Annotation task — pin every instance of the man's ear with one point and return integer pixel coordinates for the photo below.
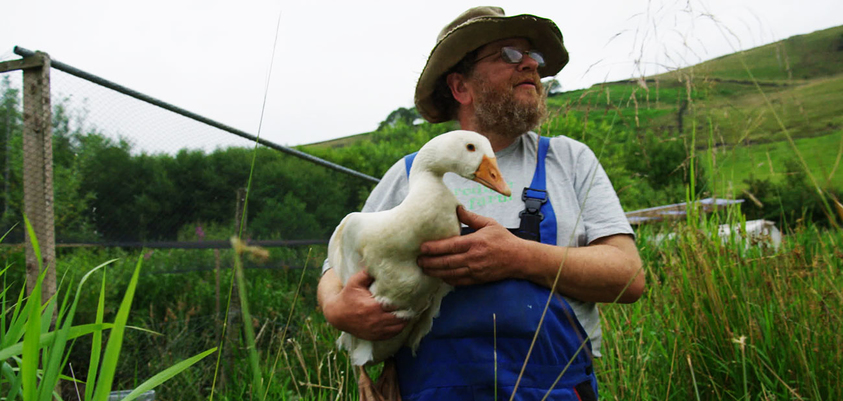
(459, 90)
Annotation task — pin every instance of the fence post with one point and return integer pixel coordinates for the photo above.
(38, 173)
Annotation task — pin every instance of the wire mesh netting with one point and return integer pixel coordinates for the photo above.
(128, 171)
(119, 174)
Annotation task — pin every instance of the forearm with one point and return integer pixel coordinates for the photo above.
(607, 270)
(328, 289)
(351, 308)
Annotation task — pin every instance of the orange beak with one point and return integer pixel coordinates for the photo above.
(490, 176)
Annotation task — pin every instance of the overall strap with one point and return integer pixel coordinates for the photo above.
(538, 217)
(455, 360)
(408, 162)
(538, 221)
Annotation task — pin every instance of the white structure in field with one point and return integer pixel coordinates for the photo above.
(757, 232)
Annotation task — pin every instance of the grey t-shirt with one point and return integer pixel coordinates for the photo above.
(579, 190)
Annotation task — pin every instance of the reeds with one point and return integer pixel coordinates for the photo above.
(751, 321)
(32, 368)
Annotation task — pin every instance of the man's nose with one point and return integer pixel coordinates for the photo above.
(528, 63)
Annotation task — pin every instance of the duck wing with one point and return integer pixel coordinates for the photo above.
(343, 248)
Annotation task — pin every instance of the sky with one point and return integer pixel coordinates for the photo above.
(339, 68)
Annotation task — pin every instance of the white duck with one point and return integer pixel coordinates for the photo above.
(387, 243)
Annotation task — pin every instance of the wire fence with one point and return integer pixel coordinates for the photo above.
(100, 166)
(132, 171)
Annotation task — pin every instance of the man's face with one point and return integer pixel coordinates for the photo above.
(508, 98)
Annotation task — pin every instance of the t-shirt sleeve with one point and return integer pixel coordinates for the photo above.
(390, 191)
(602, 214)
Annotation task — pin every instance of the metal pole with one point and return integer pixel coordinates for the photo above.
(164, 105)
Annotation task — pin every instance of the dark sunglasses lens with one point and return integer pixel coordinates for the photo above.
(537, 56)
(511, 55)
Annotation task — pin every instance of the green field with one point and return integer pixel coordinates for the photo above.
(770, 160)
(719, 320)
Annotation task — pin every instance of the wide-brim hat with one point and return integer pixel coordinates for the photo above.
(474, 29)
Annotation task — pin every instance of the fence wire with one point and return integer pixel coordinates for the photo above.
(125, 170)
(126, 173)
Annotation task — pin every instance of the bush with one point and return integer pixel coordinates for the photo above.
(790, 201)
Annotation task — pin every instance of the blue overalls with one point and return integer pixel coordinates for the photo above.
(456, 360)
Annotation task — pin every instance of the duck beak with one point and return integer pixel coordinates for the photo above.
(490, 176)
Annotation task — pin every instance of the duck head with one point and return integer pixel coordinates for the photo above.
(465, 153)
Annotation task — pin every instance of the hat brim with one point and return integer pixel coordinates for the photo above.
(542, 33)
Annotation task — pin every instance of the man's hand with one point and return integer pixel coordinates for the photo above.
(352, 308)
(489, 254)
(606, 270)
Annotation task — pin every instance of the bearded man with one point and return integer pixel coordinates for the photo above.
(569, 245)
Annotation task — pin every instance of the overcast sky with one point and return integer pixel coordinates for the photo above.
(341, 67)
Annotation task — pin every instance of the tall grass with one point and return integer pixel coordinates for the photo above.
(32, 368)
(752, 321)
(720, 318)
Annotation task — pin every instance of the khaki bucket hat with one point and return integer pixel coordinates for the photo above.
(474, 29)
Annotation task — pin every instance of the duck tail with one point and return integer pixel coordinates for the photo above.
(361, 351)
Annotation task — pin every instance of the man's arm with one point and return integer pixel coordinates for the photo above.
(353, 309)
(607, 269)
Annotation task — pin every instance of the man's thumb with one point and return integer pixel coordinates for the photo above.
(360, 279)
(470, 219)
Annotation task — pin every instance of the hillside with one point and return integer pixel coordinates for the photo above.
(801, 75)
(732, 115)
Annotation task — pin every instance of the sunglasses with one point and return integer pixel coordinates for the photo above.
(513, 55)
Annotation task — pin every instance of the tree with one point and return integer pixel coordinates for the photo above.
(10, 125)
(552, 86)
(401, 114)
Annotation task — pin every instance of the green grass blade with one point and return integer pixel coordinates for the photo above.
(115, 341)
(166, 374)
(30, 346)
(59, 344)
(3, 307)
(31, 343)
(63, 309)
(257, 378)
(14, 381)
(17, 321)
(7, 232)
(47, 310)
(46, 338)
(96, 345)
(32, 238)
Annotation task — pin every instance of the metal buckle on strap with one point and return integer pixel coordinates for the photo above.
(533, 201)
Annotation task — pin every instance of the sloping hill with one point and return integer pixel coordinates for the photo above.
(729, 97)
(802, 57)
(800, 76)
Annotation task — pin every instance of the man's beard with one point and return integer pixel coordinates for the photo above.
(497, 110)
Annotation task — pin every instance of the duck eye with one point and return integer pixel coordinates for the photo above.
(470, 147)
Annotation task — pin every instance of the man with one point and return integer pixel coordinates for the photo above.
(570, 245)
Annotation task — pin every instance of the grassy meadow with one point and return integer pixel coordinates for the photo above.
(770, 161)
(721, 319)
